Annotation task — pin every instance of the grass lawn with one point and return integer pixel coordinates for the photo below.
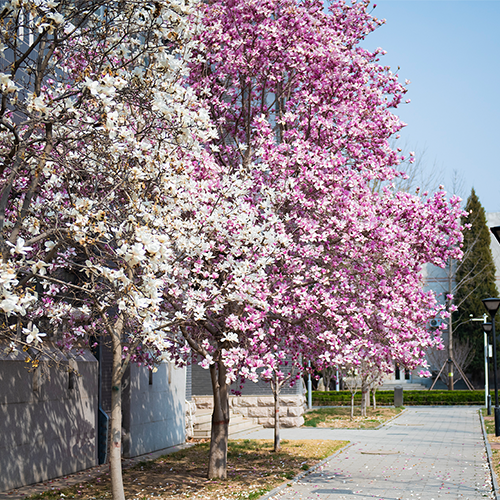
(253, 470)
(339, 417)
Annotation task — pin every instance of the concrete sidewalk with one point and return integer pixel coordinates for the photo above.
(426, 453)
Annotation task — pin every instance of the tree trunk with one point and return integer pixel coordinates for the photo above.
(217, 462)
(352, 405)
(363, 401)
(276, 393)
(115, 455)
(374, 399)
(327, 374)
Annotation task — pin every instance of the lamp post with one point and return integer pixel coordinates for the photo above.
(487, 328)
(492, 306)
(495, 230)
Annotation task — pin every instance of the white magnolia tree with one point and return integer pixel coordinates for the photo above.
(113, 218)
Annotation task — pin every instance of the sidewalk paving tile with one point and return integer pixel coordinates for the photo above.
(428, 453)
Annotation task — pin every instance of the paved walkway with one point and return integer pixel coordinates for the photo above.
(426, 453)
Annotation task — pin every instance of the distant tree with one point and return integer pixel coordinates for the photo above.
(476, 275)
(329, 373)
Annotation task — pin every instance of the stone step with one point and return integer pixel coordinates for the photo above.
(207, 423)
(246, 426)
(206, 415)
(406, 387)
(202, 418)
(237, 424)
(234, 430)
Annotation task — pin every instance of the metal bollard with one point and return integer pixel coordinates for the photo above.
(398, 395)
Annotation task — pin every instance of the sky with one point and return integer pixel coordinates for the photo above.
(450, 51)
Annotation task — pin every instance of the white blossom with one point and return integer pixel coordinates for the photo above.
(230, 337)
(19, 248)
(33, 335)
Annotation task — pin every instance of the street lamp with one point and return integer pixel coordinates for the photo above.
(496, 232)
(492, 306)
(487, 328)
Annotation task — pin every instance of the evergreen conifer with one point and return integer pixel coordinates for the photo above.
(475, 280)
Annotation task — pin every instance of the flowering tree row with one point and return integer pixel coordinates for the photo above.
(198, 179)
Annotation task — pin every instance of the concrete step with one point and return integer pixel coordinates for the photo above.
(207, 423)
(234, 430)
(389, 386)
(202, 418)
(237, 423)
(206, 416)
(243, 427)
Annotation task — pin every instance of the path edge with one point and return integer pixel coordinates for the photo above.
(494, 482)
(383, 424)
(276, 490)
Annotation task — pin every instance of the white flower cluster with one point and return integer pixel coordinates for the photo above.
(129, 201)
(10, 300)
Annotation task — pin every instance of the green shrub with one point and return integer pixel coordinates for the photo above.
(386, 398)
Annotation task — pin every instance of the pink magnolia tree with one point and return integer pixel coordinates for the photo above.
(290, 90)
(388, 316)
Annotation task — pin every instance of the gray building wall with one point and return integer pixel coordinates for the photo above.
(154, 409)
(436, 278)
(106, 374)
(202, 386)
(189, 382)
(48, 428)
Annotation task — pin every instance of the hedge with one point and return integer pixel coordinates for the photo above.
(343, 398)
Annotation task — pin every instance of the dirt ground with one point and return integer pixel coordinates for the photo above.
(339, 418)
(253, 469)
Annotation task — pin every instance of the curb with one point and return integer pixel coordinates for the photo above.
(350, 429)
(278, 489)
(388, 421)
(494, 482)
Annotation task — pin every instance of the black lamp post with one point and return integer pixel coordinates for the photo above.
(496, 232)
(487, 328)
(492, 306)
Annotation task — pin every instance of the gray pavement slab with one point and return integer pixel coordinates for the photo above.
(427, 453)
